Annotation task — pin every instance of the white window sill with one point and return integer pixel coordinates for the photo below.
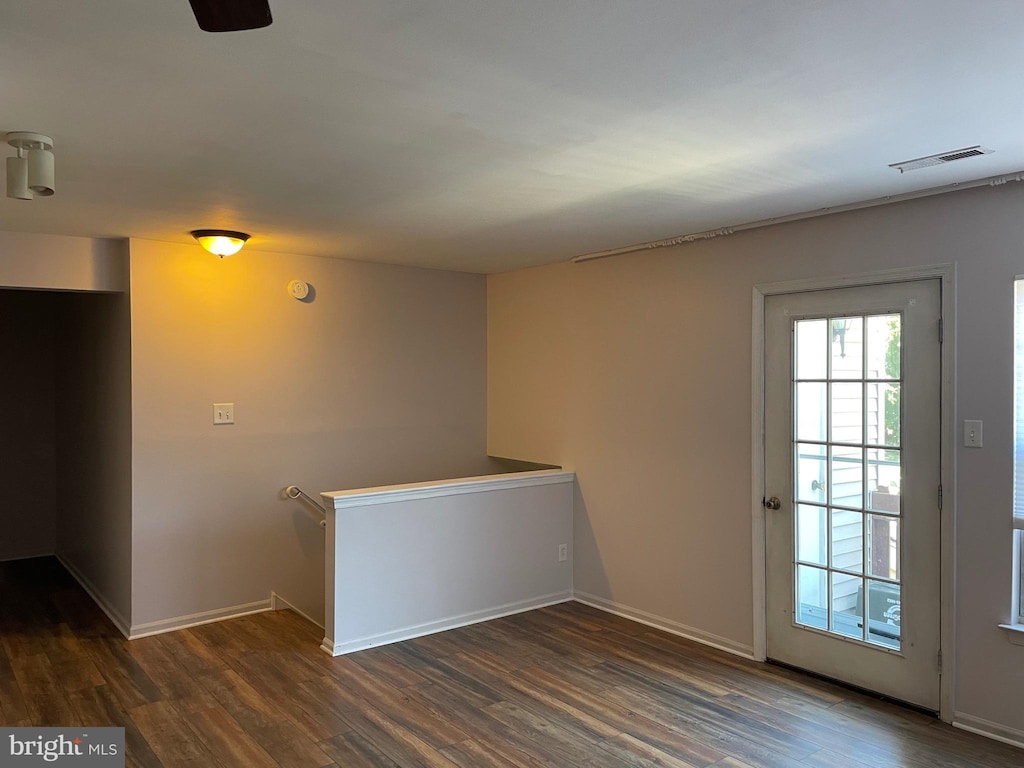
(1014, 633)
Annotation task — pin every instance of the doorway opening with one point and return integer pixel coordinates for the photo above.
(65, 456)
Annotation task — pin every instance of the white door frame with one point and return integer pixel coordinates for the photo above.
(946, 274)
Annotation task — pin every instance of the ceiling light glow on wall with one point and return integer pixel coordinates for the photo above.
(34, 174)
(220, 242)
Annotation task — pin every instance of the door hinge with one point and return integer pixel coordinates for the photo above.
(940, 330)
(940, 497)
(939, 660)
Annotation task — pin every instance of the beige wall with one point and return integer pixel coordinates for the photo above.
(93, 391)
(635, 371)
(28, 457)
(54, 262)
(379, 380)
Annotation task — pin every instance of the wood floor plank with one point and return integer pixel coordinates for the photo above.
(170, 737)
(312, 715)
(473, 754)
(483, 728)
(398, 742)
(634, 723)
(436, 731)
(670, 692)
(353, 750)
(661, 664)
(469, 690)
(46, 700)
(918, 731)
(480, 639)
(636, 754)
(389, 669)
(743, 739)
(562, 711)
(99, 707)
(77, 674)
(219, 637)
(507, 688)
(20, 640)
(991, 753)
(587, 619)
(61, 644)
(566, 686)
(226, 739)
(152, 656)
(773, 679)
(192, 654)
(132, 686)
(12, 703)
(828, 758)
(568, 748)
(439, 645)
(529, 630)
(265, 722)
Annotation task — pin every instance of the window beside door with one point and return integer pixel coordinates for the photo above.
(1018, 453)
(1019, 577)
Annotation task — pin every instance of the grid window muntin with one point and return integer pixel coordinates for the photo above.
(822, 494)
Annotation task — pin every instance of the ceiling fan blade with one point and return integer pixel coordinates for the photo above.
(231, 15)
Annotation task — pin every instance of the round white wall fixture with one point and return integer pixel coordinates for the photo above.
(298, 289)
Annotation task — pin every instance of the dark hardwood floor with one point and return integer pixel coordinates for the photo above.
(562, 686)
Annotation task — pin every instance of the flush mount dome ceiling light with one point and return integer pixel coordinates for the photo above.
(31, 174)
(220, 242)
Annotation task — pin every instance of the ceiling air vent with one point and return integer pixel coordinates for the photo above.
(942, 157)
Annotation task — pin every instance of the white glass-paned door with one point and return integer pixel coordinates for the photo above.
(851, 431)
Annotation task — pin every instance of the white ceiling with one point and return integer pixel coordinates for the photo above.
(486, 135)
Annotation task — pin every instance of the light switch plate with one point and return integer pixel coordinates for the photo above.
(972, 433)
(223, 413)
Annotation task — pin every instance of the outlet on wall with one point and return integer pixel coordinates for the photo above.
(563, 552)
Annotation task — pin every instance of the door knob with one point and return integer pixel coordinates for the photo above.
(773, 503)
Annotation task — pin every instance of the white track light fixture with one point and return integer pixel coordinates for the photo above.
(17, 177)
(31, 174)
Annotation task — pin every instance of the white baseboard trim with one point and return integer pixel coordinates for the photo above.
(441, 625)
(278, 603)
(196, 619)
(112, 613)
(667, 625)
(987, 728)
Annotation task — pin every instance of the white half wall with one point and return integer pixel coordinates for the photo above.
(404, 561)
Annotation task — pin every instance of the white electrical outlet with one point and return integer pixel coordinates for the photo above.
(563, 552)
(223, 413)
